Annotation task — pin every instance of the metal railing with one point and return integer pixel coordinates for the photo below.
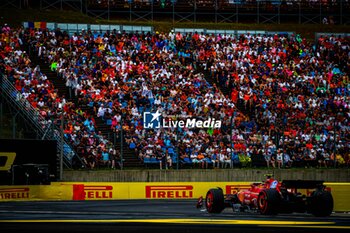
(235, 33)
(330, 34)
(72, 28)
(43, 127)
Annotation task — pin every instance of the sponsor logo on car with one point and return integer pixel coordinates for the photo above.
(90, 192)
(14, 193)
(233, 189)
(169, 191)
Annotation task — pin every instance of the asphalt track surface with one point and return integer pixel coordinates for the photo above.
(153, 216)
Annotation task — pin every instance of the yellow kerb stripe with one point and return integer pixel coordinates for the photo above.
(183, 221)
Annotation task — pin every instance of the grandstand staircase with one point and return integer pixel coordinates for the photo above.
(226, 92)
(129, 157)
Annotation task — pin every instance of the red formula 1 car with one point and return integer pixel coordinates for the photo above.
(273, 197)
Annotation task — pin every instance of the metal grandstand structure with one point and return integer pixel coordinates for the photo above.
(41, 128)
(257, 11)
(235, 11)
(76, 5)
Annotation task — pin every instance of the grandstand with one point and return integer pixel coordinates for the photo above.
(282, 101)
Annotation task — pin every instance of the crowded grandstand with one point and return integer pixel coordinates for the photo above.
(282, 100)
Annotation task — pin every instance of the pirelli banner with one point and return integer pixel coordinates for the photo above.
(113, 191)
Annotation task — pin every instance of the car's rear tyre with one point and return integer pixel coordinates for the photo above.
(321, 204)
(214, 201)
(269, 201)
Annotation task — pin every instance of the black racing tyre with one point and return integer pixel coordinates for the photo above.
(321, 204)
(269, 201)
(214, 201)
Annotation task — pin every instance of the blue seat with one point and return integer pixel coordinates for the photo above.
(132, 145)
(187, 161)
(167, 143)
(174, 159)
(154, 160)
(91, 104)
(146, 160)
(171, 150)
(141, 109)
(208, 160)
(235, 159)
(109, 122)
(151, 100)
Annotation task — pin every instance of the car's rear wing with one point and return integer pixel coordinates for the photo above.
(302, 184)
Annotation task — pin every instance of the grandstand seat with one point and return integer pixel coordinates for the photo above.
(167, 143)
(132, 145)
(235, 160)
(208, 161)
(141, 108)
(150, 162)
(174, 159)
(186, 162)
(154, 160)
(146, 160)
(151, 100)
(171, 151)
(91, 104)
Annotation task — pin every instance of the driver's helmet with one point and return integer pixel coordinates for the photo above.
(271, 183)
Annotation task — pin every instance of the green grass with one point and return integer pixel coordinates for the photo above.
(16, 16)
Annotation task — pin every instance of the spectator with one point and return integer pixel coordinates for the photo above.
(279, 159)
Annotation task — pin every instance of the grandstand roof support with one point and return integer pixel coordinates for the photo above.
(227, 17)
(268, 17)
(44, 4)
(141, 15)
(11, 3)
(145, 15)
(341, 12)
(184, 16)
(310, 18)
(343, 19)
(76, 5)
(97, 13)
(130, 9)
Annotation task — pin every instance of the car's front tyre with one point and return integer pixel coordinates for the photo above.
(214, 201)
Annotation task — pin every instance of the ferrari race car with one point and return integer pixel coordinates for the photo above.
(272, 197)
